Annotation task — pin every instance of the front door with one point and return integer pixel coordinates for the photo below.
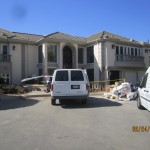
(67, 57)
(114, 76)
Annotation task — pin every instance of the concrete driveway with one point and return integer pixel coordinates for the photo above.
(34, 124)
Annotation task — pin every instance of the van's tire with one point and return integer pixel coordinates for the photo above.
(84, 101)
(53, 101)
(139, 106)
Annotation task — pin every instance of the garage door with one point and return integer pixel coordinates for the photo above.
(131, 77)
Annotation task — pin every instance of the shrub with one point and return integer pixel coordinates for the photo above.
(2, 81)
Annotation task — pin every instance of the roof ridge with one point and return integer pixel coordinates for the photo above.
(5, 30)
(27, 33)
(51, 34)
(72, 35)
(114, 34)
(95, 34)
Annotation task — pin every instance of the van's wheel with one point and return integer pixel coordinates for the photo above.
(53, 101)
(84, 101)
(139, 106)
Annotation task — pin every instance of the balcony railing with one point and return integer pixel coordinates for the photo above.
(129, 61)
(5, 58)
(126, 58)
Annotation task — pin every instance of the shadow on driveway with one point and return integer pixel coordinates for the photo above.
(92, 102)
(13, 102)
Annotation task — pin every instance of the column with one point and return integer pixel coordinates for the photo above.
(44, 48)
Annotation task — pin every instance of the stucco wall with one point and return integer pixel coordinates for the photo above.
(31, 60)
(146, 57)
(16, 63)
(110, 54)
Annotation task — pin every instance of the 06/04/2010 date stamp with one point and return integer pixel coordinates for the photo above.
(140, 128)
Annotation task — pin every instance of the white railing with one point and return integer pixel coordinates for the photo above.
(127, 58)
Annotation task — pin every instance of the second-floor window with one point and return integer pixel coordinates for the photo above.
(123, 50)
(90, 54)
(40, 54)
(80, 55)
(52, 53)
(117, 49)
(5, 49)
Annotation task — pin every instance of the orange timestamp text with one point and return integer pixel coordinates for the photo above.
(140, 128)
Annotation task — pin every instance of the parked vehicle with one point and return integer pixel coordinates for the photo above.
(69, 84)
(143, 100)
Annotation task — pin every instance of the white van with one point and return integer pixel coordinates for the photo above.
(69, 84)
(143, 100)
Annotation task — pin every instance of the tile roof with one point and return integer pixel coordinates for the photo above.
(29, 37)
(65, 37)
(59, 36)
(4, 34)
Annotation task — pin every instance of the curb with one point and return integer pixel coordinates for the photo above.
(30, 96)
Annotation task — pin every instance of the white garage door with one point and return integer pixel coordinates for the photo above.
(131, 77)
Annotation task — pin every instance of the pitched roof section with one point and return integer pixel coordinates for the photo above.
(106, 35)
(59, 36)
(4, 34)
(29, 37)
(65, 37)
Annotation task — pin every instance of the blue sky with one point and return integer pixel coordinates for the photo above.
(129, 18)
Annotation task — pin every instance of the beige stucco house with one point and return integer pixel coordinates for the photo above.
(105, 56)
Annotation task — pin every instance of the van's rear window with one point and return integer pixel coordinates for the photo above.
(76, 75)
(61, 76)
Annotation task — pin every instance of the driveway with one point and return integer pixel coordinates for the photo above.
(34, 124)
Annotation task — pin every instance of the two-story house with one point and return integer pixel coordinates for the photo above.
(104, 55)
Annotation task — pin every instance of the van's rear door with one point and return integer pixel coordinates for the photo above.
(61, 84)
(77, 83)
(148, 90)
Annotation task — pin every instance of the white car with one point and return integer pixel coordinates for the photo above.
(143, 100)
(69, 84)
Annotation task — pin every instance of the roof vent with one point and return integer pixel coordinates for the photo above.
(106, 36)
(131, 40)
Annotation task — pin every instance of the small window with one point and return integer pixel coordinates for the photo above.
(40, 54)
(117, 50)
(128, 50)
(144, 80)
(61, 76)
(77, 76)
(52, 53)
(80, 55)
(90, 54)
(136, 52)
(5, 50)
(125, 52)
(132, 51)
(121, 50)
(146, 50)
(139, 52)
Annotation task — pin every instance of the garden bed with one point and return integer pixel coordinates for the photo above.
(13, 89)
